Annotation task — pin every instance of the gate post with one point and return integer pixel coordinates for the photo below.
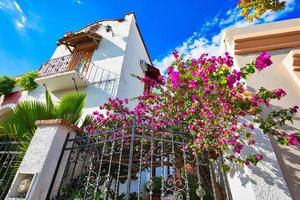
(39, 171)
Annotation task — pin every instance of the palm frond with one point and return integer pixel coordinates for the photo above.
(20, 122)
(87, 120)
(49, 102)
(70, 107)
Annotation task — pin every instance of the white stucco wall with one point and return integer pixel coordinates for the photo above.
(60, 51)
(135, 51)
(119, 54)
(41, 160)
(278, 176)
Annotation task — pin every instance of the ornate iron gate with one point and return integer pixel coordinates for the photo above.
(10, 158)
(134, 163)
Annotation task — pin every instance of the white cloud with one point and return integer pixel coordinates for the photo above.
(16, 11)
(79, 2)
(20, 23)
(19, 9)
(6, 4)
(200, 42)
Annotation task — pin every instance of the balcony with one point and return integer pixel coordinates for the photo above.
(66, 73)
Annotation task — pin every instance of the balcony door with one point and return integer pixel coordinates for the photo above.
(80, 60)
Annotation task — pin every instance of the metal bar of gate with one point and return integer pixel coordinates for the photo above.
(130, 160)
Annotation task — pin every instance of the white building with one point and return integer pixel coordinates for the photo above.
(100, 58)
(278, 176)
(97, 60)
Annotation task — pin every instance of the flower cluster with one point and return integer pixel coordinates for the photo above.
(263, 61)
(205, 98)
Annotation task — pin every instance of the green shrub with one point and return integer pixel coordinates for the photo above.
(26, 81)
(6, 85)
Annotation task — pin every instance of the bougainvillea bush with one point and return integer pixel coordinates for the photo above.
(205, 98)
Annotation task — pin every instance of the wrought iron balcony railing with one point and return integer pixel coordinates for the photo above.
(95, 75)
(55, 66)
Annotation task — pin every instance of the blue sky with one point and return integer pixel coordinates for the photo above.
(29, 29)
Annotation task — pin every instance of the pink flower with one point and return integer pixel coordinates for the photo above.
(233, 142)
(247, 162)
(175, 81)
(237, 74)
(175, 53)
(191, 127)
(229, 59)
(293, 139)
(294, 109)
(230, 80)
(251, 142)
(161, 80)
(96, 113)
(238, 148)
(193, 84)
(234, 128)
(169, 70)
(263, 61)
(279, 93)
(259, 157)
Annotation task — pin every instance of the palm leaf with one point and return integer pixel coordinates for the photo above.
(20, 122)
(49, 102)
(87, 120)
(70, 107)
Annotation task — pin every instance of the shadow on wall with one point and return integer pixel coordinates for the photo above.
(96, 97)
(286, 156)
(107, 49)
(267, 171)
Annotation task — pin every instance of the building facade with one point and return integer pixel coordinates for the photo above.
(278, 177)
(100, 58)
(97, 60)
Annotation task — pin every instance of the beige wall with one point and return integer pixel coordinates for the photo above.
(276, 76)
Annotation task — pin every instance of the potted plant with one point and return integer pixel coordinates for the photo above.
(26, 81)
(6, 85)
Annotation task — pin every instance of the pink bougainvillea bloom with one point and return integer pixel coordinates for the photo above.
(175, 81)
(204, 97)
(193, 84)
(293, 139)
(237, 74)
(294, 109)
(280, 92)
(229, 59)
(247, 162)
(230, 81)
(191, 127)
(233, 142)
(251, 142)
(234, 128)
(238, 148)
(169, 70)
(263, 61)
(175, 53)
(96, 113)
(259, 157)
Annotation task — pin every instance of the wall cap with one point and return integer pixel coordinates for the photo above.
(61, 122)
